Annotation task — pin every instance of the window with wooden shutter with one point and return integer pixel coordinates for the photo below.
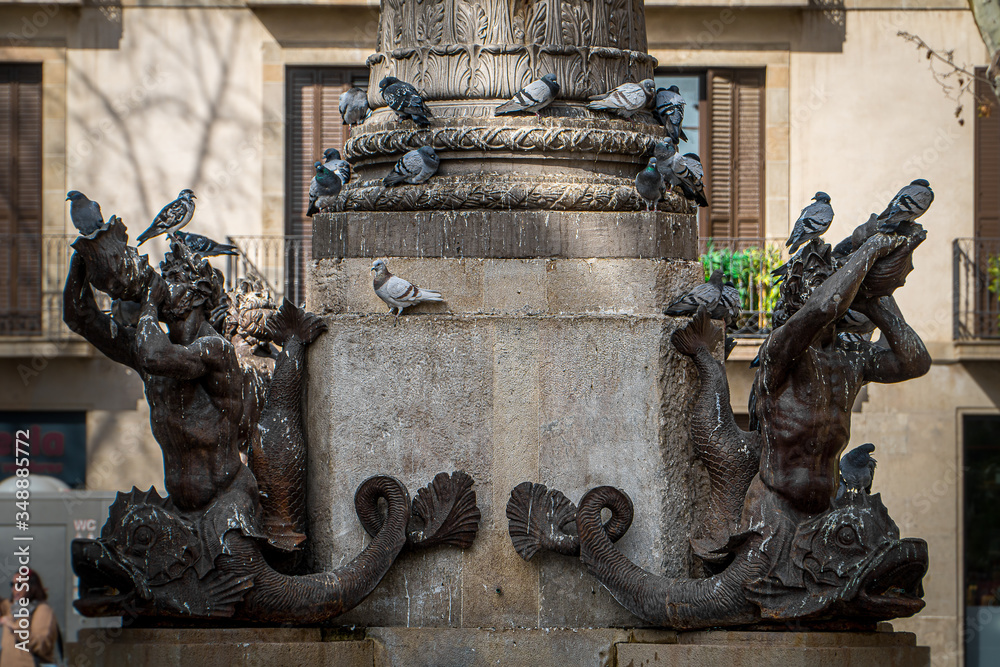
(20, 198)
(314, 124)
(734, 165)
(987, 206)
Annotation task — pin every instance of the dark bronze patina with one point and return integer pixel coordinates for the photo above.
(225, 407)
(779, 546)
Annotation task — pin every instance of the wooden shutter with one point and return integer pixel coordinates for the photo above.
(314, 124)
(20, 198)
(987, 205)
(734, 168)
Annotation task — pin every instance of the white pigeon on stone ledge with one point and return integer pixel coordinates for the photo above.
(398, 293)
(626, 99)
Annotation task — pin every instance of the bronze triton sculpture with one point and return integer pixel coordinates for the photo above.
(777, 542)
(225, 407)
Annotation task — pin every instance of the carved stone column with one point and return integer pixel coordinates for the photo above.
(550, 359)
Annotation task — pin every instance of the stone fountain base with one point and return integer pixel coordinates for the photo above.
(466, 647)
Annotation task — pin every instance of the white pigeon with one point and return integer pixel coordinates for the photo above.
(813, 222)
(415, 167)
(171, 217)
(626, 99)
(398, 293)
(534, 97)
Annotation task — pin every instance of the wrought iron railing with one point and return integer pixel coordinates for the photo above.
(33, 272)
(279, 261)
(747, 263)
(976, 289)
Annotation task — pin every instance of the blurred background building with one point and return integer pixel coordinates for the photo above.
(131, 102)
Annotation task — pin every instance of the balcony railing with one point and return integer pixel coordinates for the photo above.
(976, 291)
(747, 263)
(33, 272)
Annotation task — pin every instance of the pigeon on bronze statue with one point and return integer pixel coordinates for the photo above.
(398, 293)
(85, 214)
(171, 217)
(624, 100)
(909, 204)
(324, 184)
(415, 167)
(534, 97)
(332, 161)
(707, 294)
(205, 246)
(404, 100)
(669, 106)
(649, 184)
(857, 470)
(354, 107)
(813, 222)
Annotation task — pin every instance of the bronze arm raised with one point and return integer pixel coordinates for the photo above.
(82, 316)
(906, 357)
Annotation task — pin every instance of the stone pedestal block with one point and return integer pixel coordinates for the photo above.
(778, 649)
(558, 371)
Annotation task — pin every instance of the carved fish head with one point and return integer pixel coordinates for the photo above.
(846, 562)
(144, 546)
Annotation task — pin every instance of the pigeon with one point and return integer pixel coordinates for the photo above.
(854, 322)
(171, 217)
(909, 204)
(205, 246)
(669, 106)
(690, 174)
(728, 308)
(664, 152)
(404, 100)
(414, 167)
(534, 97)
(707, 294)
(857, 470)
(396, 292)
(85, 214)
(332, 161)
(354, 107)
(624, 100)
(649, 184)
(324, 184)
(813, 222)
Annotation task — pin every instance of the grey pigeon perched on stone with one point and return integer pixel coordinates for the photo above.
(857, 470)
(205, 246)
(664, 152)
(534, 97)
(649, 184)
(398, 293)
(324, 184)
(909, 204)
(354, 107)
(85, 214)
(707, 294)
(690, 173)
(404, 100)
(332, 161)
(728, 309)
(414, 167)
(626, 99)
(813, 222)
(669, 106)
(171, 217)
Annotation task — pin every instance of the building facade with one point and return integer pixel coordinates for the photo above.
(130, 102)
